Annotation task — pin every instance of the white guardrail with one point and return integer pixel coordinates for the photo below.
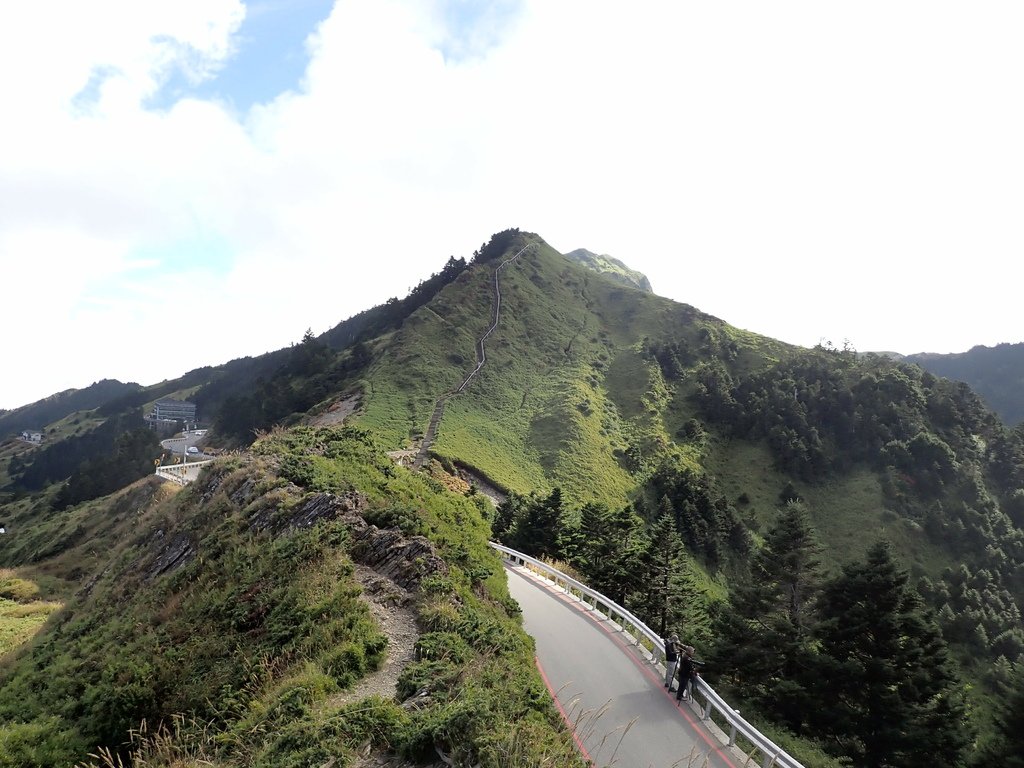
(773, 755)
(183, 473)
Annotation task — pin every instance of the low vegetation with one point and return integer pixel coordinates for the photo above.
(225, 626)
(22, 614)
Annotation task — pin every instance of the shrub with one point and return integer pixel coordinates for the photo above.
(18, 590)
(346, 663)
(445, 646)
(44, 743)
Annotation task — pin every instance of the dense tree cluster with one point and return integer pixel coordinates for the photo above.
(309, 373)
(497, 246)
(706, 522)
(823, 411)
(853, 661)
(978, 612)
(644, 558)
(945, 462)
(99, 461)
(131, 459)
(56, 462)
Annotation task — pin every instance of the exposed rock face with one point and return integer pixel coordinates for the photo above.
(174, 553)
(308, 512)
(404, 560)
(389, 552)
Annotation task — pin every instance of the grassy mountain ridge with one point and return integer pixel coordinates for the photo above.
(233, 602)
(617, 419)
(612, 268)
(564, 399)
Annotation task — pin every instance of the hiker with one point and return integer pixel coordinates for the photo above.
(671, 660)
(686, 673)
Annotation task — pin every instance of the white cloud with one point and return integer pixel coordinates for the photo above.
(804, 170)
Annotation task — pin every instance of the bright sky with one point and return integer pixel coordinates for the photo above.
(183, 183)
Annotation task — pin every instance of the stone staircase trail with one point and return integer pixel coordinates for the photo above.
(481, 358)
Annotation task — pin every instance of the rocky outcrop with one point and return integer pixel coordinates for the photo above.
(404, 560)
(268, 514)
(173, 554)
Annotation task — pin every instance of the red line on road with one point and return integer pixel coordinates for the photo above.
(565, 716)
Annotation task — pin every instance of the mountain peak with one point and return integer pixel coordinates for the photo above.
(611, 268)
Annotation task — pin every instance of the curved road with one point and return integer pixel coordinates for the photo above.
(614, 700)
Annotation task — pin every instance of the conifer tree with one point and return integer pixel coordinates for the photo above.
(1007, 749)
(537, 529)
(887, 692)
(664, 595)
(765, 640)
(628, 576)
(611, 551)
(507, 515)
(593, 547)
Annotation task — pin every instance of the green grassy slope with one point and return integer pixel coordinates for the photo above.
(564, 398)
(610, 267)
(232, 605)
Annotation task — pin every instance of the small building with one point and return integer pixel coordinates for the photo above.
(174, 410)
(32, 435)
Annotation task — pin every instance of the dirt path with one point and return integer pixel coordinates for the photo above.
(481, 358)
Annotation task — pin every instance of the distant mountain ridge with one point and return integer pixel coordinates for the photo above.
(995, 373)
(611, 268)
(38, 414)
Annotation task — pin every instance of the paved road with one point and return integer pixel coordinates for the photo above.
(180, 445)
(614, 700)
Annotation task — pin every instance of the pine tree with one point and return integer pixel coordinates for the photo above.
(765, 640)
(662, 562)
(537, 529)
(592, 552)
(628, 577)
(507, 515)
(611, 551)
(1007, 749)
(887, 693)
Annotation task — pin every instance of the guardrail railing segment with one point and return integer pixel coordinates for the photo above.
(654, 645)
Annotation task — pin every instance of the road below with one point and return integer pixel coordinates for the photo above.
(614, 700)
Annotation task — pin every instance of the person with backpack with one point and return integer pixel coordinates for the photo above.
(671, 661)
(687, 671)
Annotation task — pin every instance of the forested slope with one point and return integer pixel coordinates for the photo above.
(995, 373)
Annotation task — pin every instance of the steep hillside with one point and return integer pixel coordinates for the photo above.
(56, 407)
(251, 608)
(995, 373)
(570, 395)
